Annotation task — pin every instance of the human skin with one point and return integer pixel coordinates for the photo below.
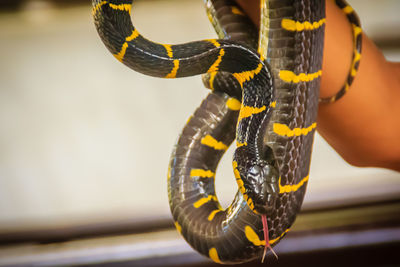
(364, 125)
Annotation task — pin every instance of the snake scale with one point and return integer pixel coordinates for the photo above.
(265, 89)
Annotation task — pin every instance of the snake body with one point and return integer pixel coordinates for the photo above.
(236, 234)
(267, 97)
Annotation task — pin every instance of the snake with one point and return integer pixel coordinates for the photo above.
(265, 95)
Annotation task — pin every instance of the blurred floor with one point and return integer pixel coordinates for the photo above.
(83, 138)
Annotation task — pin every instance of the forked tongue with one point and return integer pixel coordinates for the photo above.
(266, 238)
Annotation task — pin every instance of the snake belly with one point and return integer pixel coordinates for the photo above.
(292, 41)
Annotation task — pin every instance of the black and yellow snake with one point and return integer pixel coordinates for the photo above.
(265, 95)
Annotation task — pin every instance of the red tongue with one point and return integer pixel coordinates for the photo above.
(266, 237)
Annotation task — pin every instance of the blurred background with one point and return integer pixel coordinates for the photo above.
(85, 144)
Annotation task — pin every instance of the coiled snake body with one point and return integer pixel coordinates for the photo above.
(267, 98)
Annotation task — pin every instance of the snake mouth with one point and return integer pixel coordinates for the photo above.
(262, 209)
(267, 205)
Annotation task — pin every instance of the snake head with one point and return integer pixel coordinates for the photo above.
(258, 181)
(262, 186)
